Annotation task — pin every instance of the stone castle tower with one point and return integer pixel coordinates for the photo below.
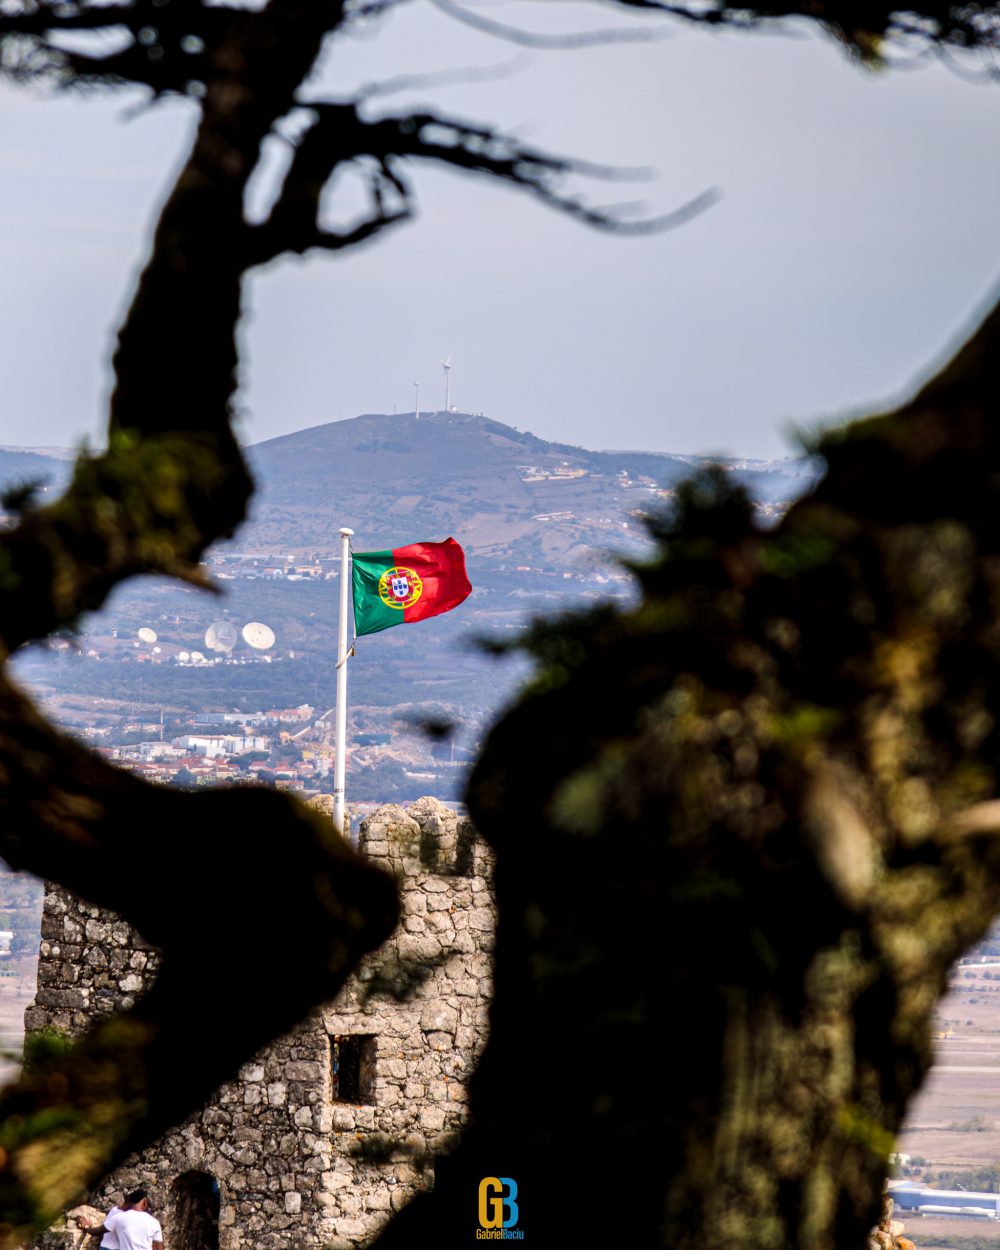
(329, 1130)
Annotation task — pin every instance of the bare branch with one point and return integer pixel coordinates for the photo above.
(444, 78)
(482, 150)
(263, 246)
(340, 136)
(532, 39)
(979, 820)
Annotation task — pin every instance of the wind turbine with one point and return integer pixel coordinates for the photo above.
(447, 382)
(416, 400)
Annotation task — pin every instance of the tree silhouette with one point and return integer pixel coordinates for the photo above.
(749, 823)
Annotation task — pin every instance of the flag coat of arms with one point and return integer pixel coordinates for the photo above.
(407, 584)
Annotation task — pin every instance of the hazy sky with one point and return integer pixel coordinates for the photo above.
(856, 236)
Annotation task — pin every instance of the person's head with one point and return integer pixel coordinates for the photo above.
(137, 1200)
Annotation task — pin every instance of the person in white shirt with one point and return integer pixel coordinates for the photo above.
(108, 1240)
(134, 1227)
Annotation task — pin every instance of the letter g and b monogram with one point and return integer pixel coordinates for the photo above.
(497, 1205)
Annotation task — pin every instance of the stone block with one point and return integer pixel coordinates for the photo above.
(247, 1134)
(303, 1070)
(61, 998)
(439, 1017)
(350, 1227)
(419, 947)
(350, 1204)
(466, 1038)
(343, 1118)
(52, 927)
(432, 1119)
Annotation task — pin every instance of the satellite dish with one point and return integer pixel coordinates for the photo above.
(258, 636)
(147, 634)
(157, 650)
(197, 657)
(183, 656)
(221, 636)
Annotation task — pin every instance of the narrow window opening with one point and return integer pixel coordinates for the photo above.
(195, 1200)
(352, 1068)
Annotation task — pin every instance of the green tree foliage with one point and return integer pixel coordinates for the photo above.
(184, 778)
(984, 1178)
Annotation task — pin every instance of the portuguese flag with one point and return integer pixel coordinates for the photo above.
(407, 584)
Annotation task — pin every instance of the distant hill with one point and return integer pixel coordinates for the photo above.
(511, 498)
(506, 493)
(47, 466)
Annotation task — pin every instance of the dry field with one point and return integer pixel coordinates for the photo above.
(15, 994)
(954, 1124)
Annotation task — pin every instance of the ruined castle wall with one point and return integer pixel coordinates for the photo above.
(330, 1129)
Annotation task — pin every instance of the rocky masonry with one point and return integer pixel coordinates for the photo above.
(888, 1233)
(329, 1130)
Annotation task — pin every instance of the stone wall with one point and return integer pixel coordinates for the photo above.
(888, 1233)
(331, 1128)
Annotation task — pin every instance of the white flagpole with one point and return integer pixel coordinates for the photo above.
(340, 762)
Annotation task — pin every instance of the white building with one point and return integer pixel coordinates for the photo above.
(214, 745)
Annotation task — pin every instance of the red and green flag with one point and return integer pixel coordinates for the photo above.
(407, 584)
